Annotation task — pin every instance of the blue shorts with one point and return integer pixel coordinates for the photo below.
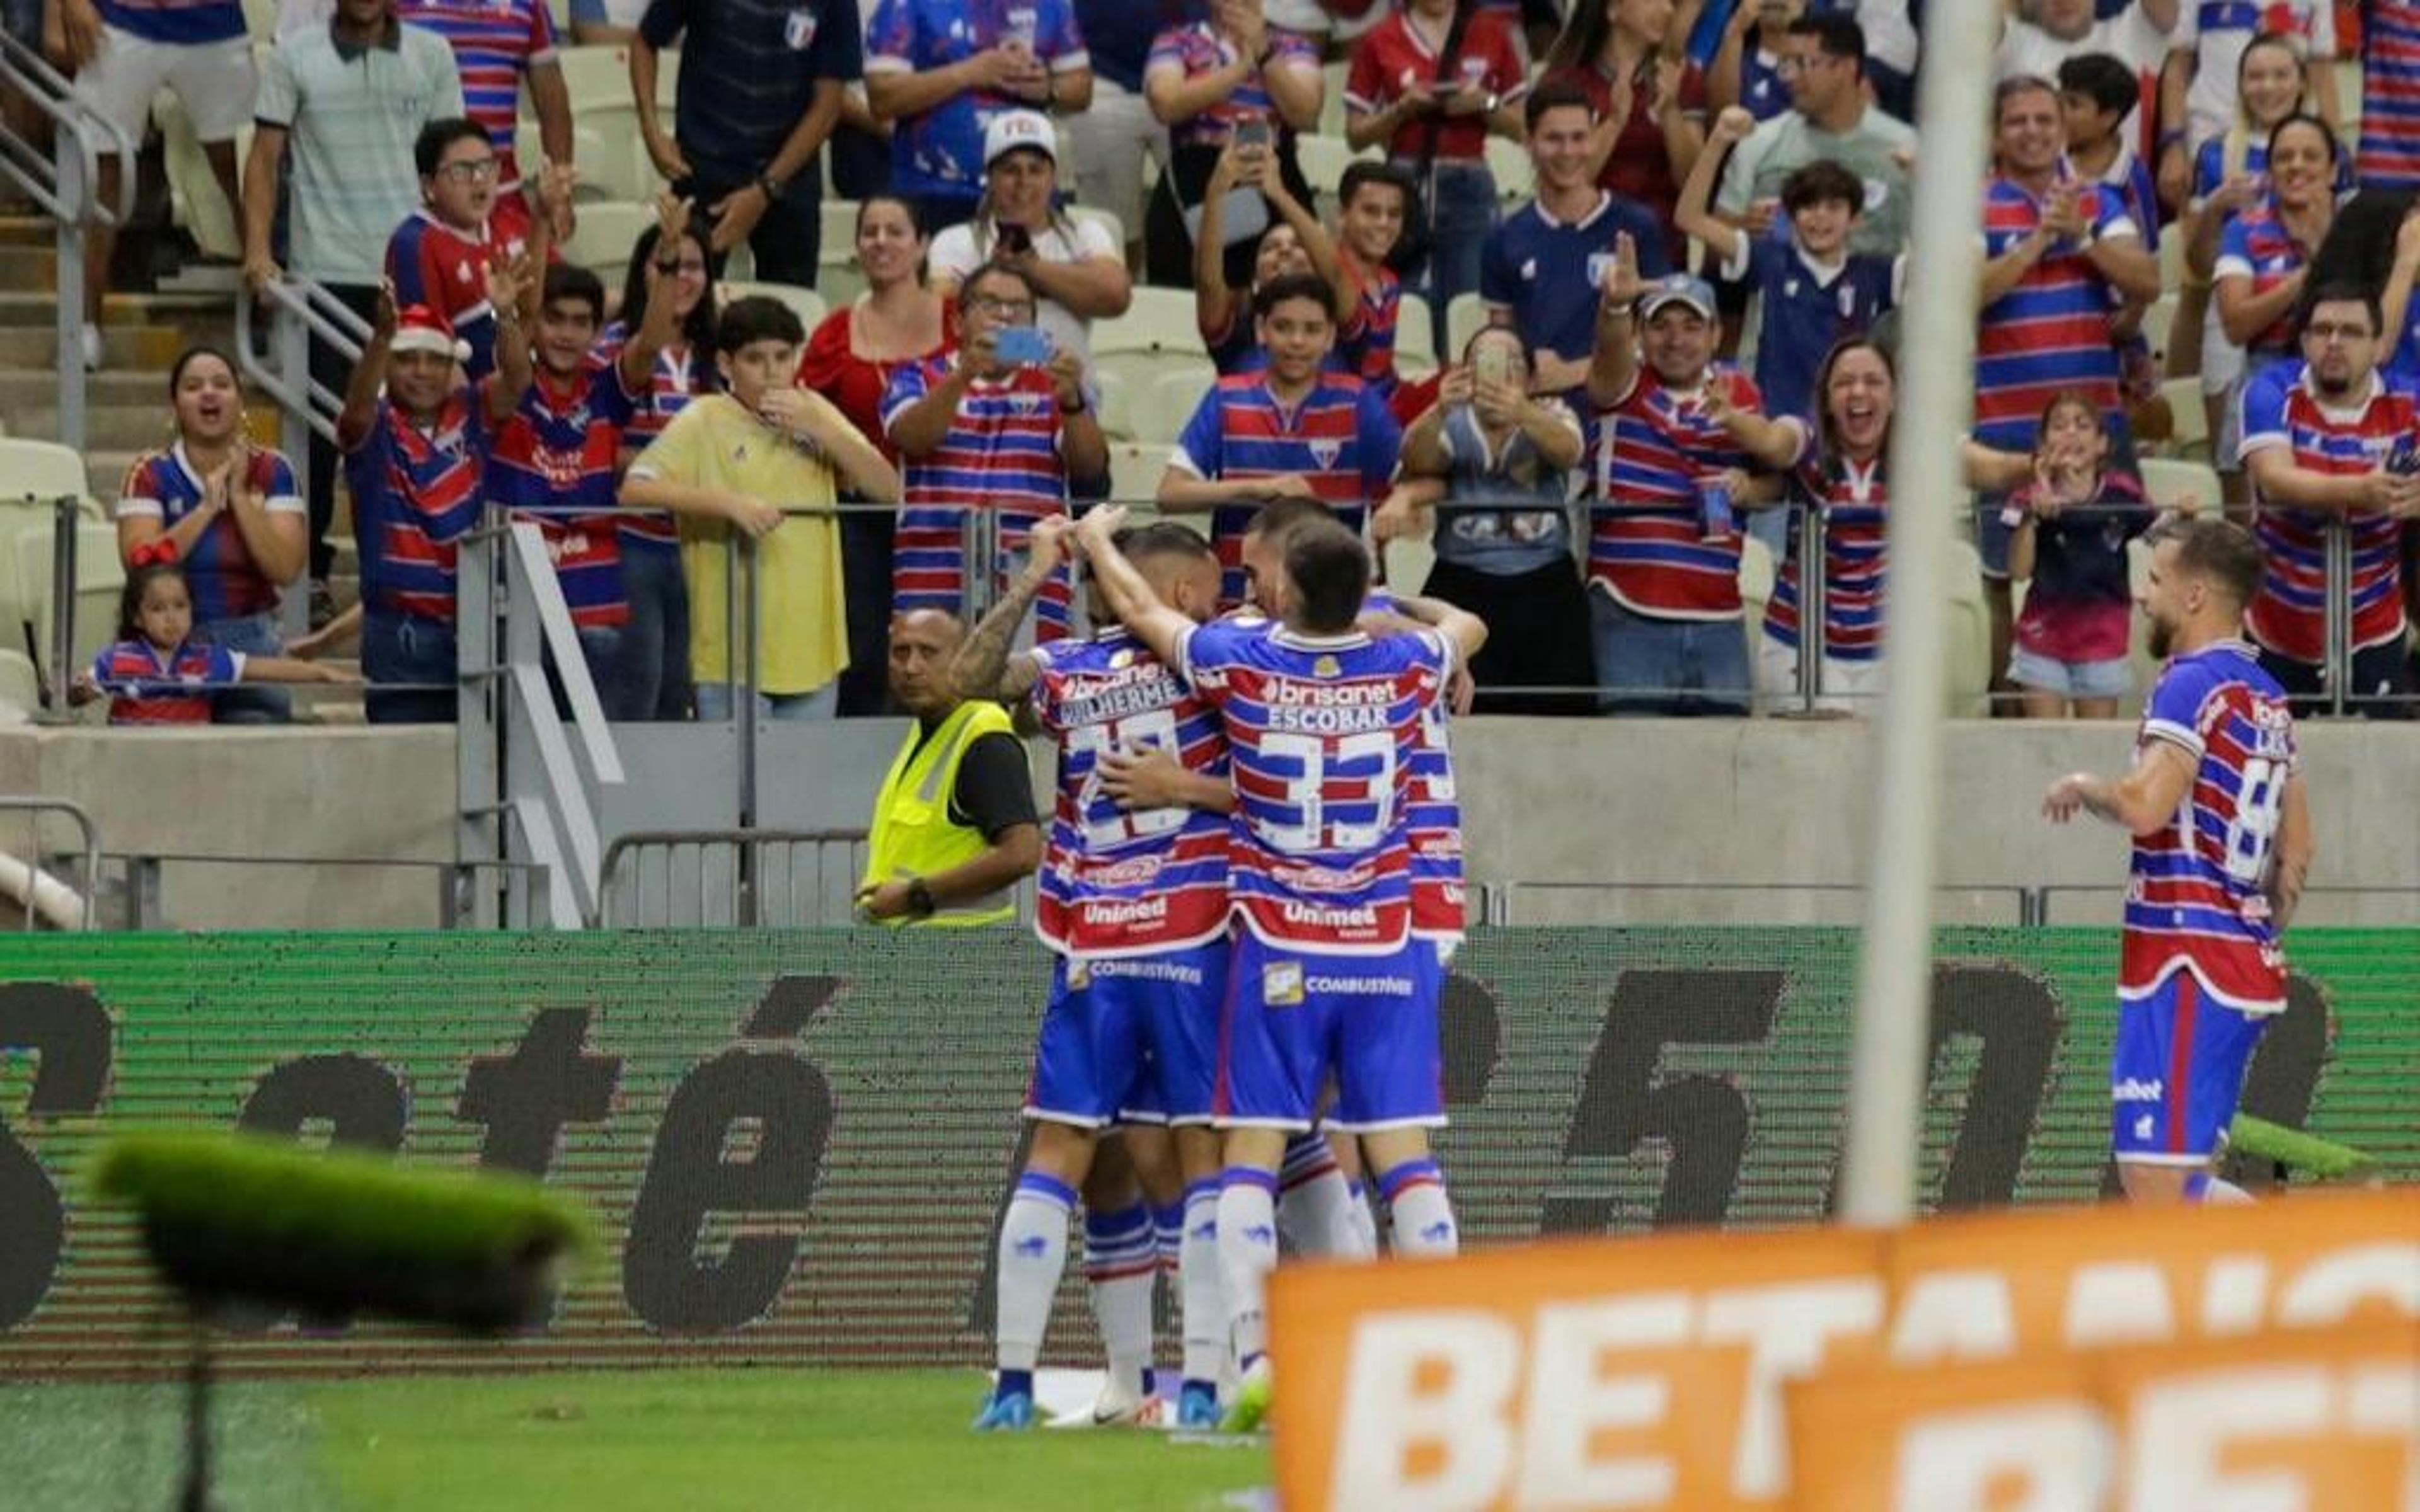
(1294, 1018)
(2178, 1073)
(1129, 1040)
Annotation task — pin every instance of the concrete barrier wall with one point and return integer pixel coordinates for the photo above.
(1760, 807)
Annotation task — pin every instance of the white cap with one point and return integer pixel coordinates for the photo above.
(1013, 129)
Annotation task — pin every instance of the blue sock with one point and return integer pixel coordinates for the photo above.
(1014, 1383)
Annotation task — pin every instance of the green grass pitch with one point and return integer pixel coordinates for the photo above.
(696, 1440)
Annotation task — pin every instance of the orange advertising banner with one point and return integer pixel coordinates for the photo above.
(1648, 1373)
(2289, 1418)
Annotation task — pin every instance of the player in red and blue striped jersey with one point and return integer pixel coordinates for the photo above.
(1133, 903)
(2390, 95)
(2222, 831)
(497, 44)
(1321, 720)
(2333, 437)
(558, 458)
(976, 432)
(414, 437)
(1290, 430)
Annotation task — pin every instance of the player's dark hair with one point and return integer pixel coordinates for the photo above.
(1836, 34)
(428, 148)
(1821, 182)
(138, 581)
(697, 327)
(1278, 517)
(1363, 173)
(1285, 286)
(757, 317)
(1329, 570)
(2110, 85)
(565, 281)
(1163, 538)
(2215, 550)
(1556, 95)
(2362, 294)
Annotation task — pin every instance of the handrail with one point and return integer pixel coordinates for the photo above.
(31, 75)
(82, 820)
(747, 880)
(305, 310)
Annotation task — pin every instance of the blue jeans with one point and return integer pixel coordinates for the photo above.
(652, 683)
(255, 635)
(1674, 667)
(1462, 211)
(407, 648)
(715, 704)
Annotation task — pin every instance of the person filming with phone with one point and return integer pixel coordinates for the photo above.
(1077, 268)
(999, 426)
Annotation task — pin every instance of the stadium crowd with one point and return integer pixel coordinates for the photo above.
(1589, 464)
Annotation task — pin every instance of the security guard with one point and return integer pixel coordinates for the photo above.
(953, 828)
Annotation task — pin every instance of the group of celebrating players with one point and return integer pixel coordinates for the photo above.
(1252, 886)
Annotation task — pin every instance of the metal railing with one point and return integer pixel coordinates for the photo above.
(66, 185)
(754, 876)
(1499, 902)
(35, 877)
(457, 882)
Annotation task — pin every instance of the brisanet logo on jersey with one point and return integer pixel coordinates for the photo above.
(1670, 1372)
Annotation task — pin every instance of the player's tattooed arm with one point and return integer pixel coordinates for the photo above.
(2295, 850)
(982, 668)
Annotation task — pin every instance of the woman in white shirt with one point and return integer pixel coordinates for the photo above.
(1076, 268)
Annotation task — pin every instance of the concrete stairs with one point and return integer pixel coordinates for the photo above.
(125, 402)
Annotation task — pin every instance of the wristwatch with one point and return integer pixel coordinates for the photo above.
(920, 899)
(770, 185)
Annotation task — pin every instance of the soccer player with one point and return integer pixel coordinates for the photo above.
(2221, 844)
(1321, 722)
(1133, 903)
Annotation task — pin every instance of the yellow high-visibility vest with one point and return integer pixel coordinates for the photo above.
(913, 835)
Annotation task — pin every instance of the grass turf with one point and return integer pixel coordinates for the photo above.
(691, 1439)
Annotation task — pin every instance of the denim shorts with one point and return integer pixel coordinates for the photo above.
(2111, 679)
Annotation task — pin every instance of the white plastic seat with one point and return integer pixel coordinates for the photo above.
(806, 301)
(1160, 320)
(1465, 318)
(1134, 468)
(606, 232)
(2171, 482)
(2190, 437)
(1516, 177)
(1116, 228)
(594, 75)
(100, 582)
(1324, 160)
(44, 470)
(1331, 100)
(1161, 414)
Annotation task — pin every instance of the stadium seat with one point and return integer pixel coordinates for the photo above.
(193, 195)
(2349, 98)
(1516, 177)
(1116, 228)
(605, 235)
(612, 167)
(839, 283)
(1161, 411)
(1116, 406)
(1324, 160)
(2191, 438)
(1756, 577)
(837, 231)
(1466, 317)
(43, 471)
(20, 682)
(806, 301)
(1331, 100)
(594, 75)
(2171, 481)
(2157, 319)
(2172, 262)
(100, 581)
(1159, 321)
(1415, 336)
(1134, 468)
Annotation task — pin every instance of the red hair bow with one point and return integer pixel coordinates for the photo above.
(159, 552)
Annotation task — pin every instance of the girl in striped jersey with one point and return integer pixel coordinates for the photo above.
(157, 672)
(1840, 480)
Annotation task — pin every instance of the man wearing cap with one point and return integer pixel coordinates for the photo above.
(941, 70)
(412, 459)
(1677, 438)
(1077, 271)
(759, 90)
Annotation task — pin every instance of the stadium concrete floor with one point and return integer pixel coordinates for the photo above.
(693, 1440)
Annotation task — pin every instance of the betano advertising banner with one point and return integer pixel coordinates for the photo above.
(796, 1144)
(1693, 1372)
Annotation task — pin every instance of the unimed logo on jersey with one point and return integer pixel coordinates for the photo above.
(1651, 1373)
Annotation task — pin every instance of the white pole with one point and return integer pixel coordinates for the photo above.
(1936, 388)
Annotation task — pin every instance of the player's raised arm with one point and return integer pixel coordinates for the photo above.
(2296, 847)
(2142, 802)
(982, 668)
(1467, 631)
(1130, 598)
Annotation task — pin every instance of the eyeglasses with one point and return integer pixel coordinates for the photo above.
(469, 170)
(1005, 309)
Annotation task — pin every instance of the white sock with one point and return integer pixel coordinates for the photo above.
(1365, 1221)
(1122, 1260)
(1033, 1252)
(1197, 1273)
(1247, 1251)
(1315, 1204)
(1422, 1218)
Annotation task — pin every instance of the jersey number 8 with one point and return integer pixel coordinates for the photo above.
(2252, 831)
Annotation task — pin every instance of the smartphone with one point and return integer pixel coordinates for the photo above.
(1253, 133)
(1013, 238)
(1024, 345)
(1493, 363)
